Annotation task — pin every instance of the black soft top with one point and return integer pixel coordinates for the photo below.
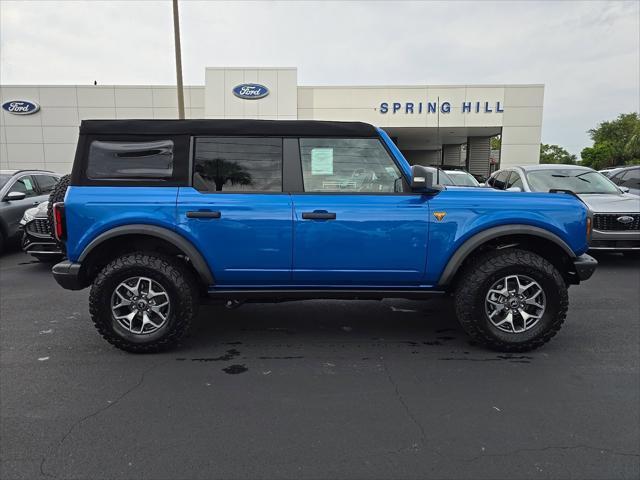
(264, 128)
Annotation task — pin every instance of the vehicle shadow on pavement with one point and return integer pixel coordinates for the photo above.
(325, 331)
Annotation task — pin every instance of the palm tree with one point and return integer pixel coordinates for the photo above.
(221, 171)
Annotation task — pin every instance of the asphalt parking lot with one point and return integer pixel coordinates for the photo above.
(318, 389)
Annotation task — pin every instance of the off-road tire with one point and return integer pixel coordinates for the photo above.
(171, 274)
(478, 277)
(57, 195)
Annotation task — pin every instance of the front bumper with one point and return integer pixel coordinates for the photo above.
(585, 265)
(612, 240)
(67, 274)
(41, 246)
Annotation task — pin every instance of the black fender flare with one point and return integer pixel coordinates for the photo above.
(197, 260)
(489, 234)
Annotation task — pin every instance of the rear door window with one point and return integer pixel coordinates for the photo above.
(46, 183)
(514, 181)
(238, 164)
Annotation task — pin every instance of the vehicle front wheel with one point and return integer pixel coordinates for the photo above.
(143, 302)
(511, 300)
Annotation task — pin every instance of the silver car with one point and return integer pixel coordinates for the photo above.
(614, 211)
(20, 190)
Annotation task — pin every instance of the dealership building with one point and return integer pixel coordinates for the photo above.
(431, 124)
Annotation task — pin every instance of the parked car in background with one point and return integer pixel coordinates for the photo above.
(628, 177)
(615, 212)
(609, 172)
(440, 177)
(37, 238)
(462, 178)
(19, 191)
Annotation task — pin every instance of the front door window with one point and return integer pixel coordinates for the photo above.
(348, 165)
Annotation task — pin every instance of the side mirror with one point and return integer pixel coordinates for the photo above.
(624, 189)
(12, 196)
(421, 178)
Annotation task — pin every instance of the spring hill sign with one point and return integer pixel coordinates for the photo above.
(412, 108)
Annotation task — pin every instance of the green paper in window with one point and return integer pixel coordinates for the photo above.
(27, 184)
(322, 161)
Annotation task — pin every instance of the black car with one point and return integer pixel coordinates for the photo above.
(21, 190)
(37, 238)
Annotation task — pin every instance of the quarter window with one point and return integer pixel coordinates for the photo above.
(348, 165)
(242, 164)
(131, 160)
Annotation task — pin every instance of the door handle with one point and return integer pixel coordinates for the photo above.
(318, 216)
(36, 203)
(203, 214)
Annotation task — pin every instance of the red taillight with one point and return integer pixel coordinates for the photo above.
(58, 221)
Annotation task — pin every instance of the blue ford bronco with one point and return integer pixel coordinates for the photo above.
(160, 215)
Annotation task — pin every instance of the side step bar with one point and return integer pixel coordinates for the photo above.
(309, 294)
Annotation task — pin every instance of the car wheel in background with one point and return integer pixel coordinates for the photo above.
(143, 302)
(511, 300)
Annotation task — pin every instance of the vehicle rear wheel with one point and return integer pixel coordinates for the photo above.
(511, 300)
(143, 302)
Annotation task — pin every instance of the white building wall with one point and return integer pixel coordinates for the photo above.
(279, 104)
(47, 139)
(522, 125)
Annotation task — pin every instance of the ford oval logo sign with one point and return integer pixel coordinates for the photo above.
(250, 91)
(625, 219)
(20, 107)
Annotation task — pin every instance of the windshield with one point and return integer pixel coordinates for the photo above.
(4, 178)
(463, 179)
(576, 180)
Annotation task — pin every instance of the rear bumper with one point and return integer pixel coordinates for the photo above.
(585, 265)
(67, 274)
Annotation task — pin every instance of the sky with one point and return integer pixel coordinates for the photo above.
(586, 53)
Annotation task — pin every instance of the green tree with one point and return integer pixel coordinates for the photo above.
(555, 154)
(600, 156)
(616, 142)
(496, 142)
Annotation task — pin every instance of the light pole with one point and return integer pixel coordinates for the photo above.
(176, 34)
